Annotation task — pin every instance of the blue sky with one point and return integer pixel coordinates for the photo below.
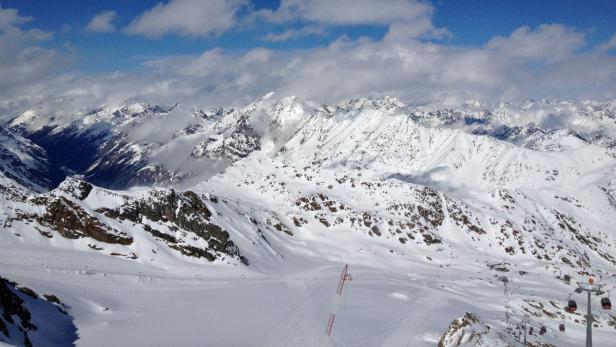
(471, 22)
(79, 53)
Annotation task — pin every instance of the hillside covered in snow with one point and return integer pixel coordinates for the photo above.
(229, 226)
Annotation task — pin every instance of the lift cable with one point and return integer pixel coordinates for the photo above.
(284, 317)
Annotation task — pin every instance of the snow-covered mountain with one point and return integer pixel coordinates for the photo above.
(142, 144)
(96, 144)
(424, 201)
(25, 162)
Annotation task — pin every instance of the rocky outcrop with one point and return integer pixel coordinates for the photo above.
(467, 331)
(238, 143)
(20, 327)
(186, 211)
(76, 210)
(72, 221)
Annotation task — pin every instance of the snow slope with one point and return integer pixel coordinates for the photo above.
(431, 207)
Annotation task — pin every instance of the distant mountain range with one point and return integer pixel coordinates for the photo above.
(275, 181)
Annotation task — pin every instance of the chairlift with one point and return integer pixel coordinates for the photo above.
(542, 331)
(567, 279)
(571, 306)
(606, 303)
(531, 331)
(561, 327)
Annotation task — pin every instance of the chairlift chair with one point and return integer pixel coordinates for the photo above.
(531, 331)
(561, 328)
(542, 331)
(571, 306)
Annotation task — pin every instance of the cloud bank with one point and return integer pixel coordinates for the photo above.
(409, 61)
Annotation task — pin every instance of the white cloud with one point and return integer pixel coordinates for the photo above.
(610, 44)
(410, 69)
(22, 61)
(349, 12)
(551, 42)
(419, 28)
(102, 22)
(10, 18)
(405, 18)
(196, 18)
(294, 34)
(543, 62)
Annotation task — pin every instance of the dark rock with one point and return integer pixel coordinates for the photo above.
(72, 222)
(186, 211)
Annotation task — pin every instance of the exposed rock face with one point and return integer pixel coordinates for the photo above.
(186, 211)
(73, 222)
(114, 221)
(14, 307)
(468, 331)
(231, 144)
(19, 327)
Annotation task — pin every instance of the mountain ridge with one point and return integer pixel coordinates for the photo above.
(280, 185)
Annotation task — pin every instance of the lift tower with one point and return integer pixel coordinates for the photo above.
(590, 288)
(344, 277)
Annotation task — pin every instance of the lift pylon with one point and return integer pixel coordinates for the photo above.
(344, 277)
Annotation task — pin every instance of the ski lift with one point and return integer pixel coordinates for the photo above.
(606, 303)
(561, 327)
(567, 279)
(543, 330)
(531, 331)
(571, 306)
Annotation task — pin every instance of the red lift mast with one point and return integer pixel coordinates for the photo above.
(344, 276)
